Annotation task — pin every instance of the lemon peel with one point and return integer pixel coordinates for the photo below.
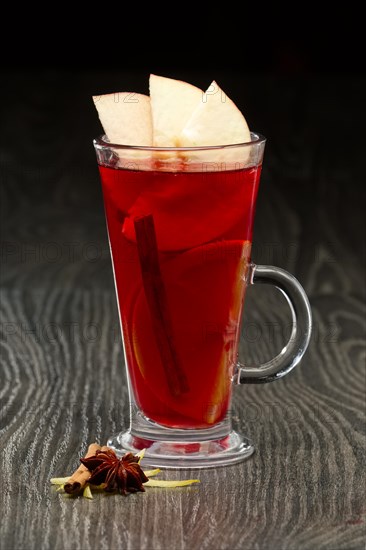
(87, 492)
(171, 484)
(59, 480)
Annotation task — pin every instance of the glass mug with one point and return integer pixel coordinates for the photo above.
(180, 224)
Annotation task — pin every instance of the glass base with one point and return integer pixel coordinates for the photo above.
(176, 448)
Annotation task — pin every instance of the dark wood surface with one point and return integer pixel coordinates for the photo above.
(61, 364)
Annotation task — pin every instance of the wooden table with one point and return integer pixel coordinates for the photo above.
(62, 375)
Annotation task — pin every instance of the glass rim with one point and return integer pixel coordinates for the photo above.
(101, 142)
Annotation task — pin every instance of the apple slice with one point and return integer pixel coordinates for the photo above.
(126, 118)
(172, 104)
(217, 121)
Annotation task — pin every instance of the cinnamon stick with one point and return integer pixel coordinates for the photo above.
(80, 477)
(157, 302)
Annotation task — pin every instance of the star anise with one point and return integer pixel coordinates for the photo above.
(119, 474)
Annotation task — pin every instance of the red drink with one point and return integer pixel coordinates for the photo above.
(180, 247)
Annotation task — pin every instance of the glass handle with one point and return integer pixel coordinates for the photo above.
(291, 354)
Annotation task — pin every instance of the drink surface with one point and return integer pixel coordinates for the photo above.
(180, 244)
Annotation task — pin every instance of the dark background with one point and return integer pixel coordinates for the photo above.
(298, 80)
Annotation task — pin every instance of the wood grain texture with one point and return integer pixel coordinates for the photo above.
(61, 363)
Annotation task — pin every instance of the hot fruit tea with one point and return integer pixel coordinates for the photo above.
(181, 244)
(180, 172)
